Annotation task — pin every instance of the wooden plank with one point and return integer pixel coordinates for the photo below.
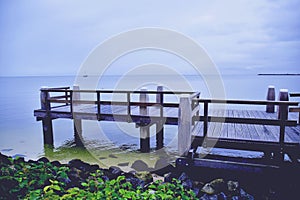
(223, 164)
(260, 130)
(231, 129)
(249, 102)
(251, 127)
(244, 144)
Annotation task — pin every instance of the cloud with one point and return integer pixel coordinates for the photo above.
(58, 35)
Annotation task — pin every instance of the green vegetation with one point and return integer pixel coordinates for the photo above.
(51, 180)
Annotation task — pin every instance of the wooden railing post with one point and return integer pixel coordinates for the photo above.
(98, 106)
(46, 121)
(160, 125)
(144, 127)
(76, 121)
(283, 96)
(184, 125)
(283, 116)
(270, 108)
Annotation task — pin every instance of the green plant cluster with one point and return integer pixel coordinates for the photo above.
(43, 180)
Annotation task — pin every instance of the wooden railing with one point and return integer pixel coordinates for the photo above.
(57, 97)
(282, 120)
(295, 109)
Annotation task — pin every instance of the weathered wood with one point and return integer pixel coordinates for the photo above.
(159, 135)
(76, 121)
(283, 96)
(144, 127)
(295, 109)
(237, 125)
(46, 121)
(184, 125)
(48, 131)
(270, 97)
(160, 125)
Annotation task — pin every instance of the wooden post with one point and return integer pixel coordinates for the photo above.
(270, 97)
(144, 127)
(46, 121)
(184, 125)
(77, 122)
(283, 96)
(160, 125)
(283, 116)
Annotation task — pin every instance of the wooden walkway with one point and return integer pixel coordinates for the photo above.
(198, 125)
(215, 130)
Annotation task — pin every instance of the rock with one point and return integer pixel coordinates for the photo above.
(4, 159)
(214, 187)
(245, 196)
(145, 176)
(187, 183)
(115, 170)
(232, 186)
(32, 162)
(105, 178)
(112, 173)
(94, 168)
(43, 159)
(56, 163)
(157, 178)
(183, 177)
(78, 164)
(19, 160)
(222, 196)
(8, 183)
(140, 165)
(135, 182)
(75, 178)
(196, 191)
(209, 197)
(163, 166)
(169, 176)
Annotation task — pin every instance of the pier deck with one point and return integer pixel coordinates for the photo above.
(226, 130)
(274, 134)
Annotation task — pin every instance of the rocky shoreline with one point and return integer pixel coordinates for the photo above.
(44, 176)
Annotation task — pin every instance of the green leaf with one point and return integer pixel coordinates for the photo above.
(84, 184)
(46, 188)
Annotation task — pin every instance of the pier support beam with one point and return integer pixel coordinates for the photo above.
(48, 131)
(184, 125)
(159, 135)
(160, 125)
(77, 122)
(144, 127)
(46, 121)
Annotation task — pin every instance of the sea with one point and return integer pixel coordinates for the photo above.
(108, 143)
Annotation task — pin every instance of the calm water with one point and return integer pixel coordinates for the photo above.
(21, 134)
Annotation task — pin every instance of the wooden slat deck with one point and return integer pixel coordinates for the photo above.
(215, 130)
(249, 131)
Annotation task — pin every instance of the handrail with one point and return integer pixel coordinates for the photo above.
(116, 91)
(249, 102)
(55, 88)
(294, 94)
(282, 120)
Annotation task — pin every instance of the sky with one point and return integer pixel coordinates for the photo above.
(54, 37)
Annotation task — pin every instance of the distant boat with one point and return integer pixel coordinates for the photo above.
(85, 75)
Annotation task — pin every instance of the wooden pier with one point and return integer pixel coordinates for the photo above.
(198, 124)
